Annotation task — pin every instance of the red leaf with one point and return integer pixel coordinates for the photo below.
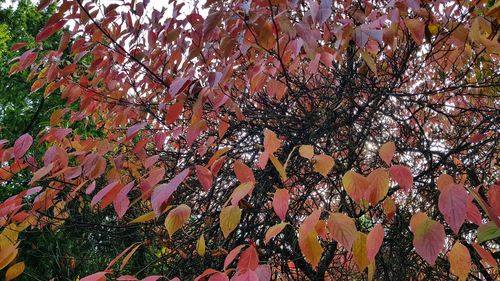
(49, 30)
(243, 172)
(280, 202)
(17, 46)
(178, 85)
(402, 175)
(162, 192)
(249, 259)
(22, 144)
(374, 241)
(204, 177)
(453, 205)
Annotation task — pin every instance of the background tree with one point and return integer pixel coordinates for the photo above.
(321, 139)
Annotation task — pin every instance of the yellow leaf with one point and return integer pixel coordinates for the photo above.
(460, 261)
(149, 216)
(279, 167)
(355, 185)
(386, 152)
(306, 151)
(7, 255)
(323, 164)
(274, 230)
(229, 219)
(200, 246)
(369, 61)
(177, 218)
(359, 251)
(14, 271)
(144, 218)
(433, 28)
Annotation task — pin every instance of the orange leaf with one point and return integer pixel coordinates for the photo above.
(359, 251)
(308, 239)
(204, 177)
(243, 172)
(240, 192)
(14, 271)
(386, 152)
(176, 218)
(355, 185)
(342, 229)
(443, 181)
(378, 185)
(323, 164)
(460, 261)
(306, 151)
(277, 164)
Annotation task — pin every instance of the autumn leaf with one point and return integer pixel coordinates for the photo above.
(205, 177)
(163, 192)
(460, 261)
(229, 219)
(274, 230)
(306, 151)
(323, 164)
(14, 271)
(453, 205)
(22, 144)
(176, 218)
(428, 236)
(200, 246)
(374, 241)
(342, 229)
(386, 152)
(280, 202)
(359, 251)
(402, 175)
(308, 239)
(355, 185)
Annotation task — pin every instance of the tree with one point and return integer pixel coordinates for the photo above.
(271, 139)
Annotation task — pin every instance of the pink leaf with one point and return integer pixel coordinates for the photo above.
(402, 175)
(280, 202)
(342, 229)
(264, 272)
(162, 192)
(453, 205)
(324, 11)
(133, 130)
(428, 236)
(22, 145)
(230, 257)
(374, 241)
